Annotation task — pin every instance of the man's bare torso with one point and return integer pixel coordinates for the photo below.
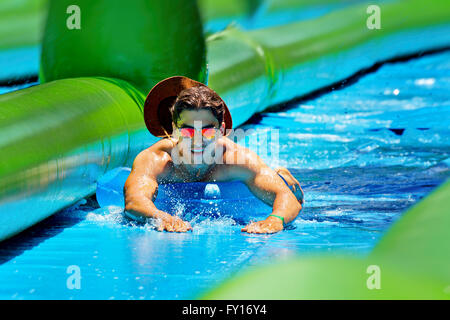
(229, 168)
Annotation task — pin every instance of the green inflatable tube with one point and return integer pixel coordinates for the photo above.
(57, 139)
(412, 261)
(21, 22)
(140, 50)
(420, 240)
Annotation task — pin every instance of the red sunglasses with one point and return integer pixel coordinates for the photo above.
(207, 133)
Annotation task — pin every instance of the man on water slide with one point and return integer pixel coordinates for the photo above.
(195, 122)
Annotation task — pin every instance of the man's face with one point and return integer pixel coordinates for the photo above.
(203, 125)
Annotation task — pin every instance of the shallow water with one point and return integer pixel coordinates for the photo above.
(363, 155)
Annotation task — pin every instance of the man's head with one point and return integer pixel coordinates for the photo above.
(172, 99)
(197, 116)
(199, 98)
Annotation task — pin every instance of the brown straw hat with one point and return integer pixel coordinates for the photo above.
(157, 116)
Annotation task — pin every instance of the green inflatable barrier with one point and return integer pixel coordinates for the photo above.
(21, 22)
(57, 139)
(412, 258)
(138, 41)
(327, 278)
(420, 240)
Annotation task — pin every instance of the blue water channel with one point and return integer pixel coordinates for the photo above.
(363, 154)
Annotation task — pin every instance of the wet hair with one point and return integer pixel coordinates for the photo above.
(197, 98)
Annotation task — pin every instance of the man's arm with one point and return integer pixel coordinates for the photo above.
(141, 188)
(267, 185)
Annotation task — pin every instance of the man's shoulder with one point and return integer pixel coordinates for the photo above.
(163, 145)
(159, 151)
(229, 145)
(237, 155)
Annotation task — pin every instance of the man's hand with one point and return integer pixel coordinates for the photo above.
(269, 225)
(171, 223)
